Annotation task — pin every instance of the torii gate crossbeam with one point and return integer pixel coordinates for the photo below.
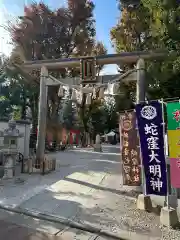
(125, 57)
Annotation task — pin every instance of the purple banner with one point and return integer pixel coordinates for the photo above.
(149, 117)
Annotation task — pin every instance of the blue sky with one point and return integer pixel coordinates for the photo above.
(106, 14)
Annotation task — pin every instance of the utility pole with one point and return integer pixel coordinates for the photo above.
(42, 114)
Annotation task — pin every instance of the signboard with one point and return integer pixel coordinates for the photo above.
(173, 113)
(173, 132)
(150, 128)
(88, 68)
(173, 129)
(130, 150)
(174, 143)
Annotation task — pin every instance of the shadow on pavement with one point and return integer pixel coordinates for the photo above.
(131, 193)
(85, 200)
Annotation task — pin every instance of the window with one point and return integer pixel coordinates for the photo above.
(13, 141)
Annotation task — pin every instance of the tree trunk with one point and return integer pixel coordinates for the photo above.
(24, 105)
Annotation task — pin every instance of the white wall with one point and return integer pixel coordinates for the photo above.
(23, 142)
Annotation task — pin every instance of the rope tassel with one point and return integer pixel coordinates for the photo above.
(115, 88)
(88, 99)
(61, 91)
(101, 93)
(94, 93)
(73, 96)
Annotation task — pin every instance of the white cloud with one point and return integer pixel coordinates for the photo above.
(109, 69)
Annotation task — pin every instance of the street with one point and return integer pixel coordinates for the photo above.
(85, 192)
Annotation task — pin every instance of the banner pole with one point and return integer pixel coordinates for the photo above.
(167, 175)
(143, 180)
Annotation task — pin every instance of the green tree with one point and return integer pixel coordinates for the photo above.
(132, 31)
(46, 34)
(152, 25)
(5, 106)
(16, 94)
(163, 77)
(96, 118)
(110, 114)
(69, 113)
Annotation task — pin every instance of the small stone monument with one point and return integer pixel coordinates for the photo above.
(97, 145)
(10, 149)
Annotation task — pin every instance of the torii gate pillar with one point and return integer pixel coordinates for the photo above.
(141, 81)
(41, 135)
(143, 201)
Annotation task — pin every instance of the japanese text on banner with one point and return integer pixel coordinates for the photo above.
(152, 147)
(130, 149)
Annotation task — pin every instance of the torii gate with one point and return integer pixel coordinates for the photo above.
(131, 57)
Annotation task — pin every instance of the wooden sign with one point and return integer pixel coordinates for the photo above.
(130, 150)
(88, 69)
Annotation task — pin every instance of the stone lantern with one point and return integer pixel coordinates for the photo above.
(10, 149)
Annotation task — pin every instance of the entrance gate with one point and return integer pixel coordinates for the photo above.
(87, 65)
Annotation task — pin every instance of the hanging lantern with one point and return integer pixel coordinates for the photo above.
(88, 99)
(109, 88)
(79, 96)
(101, 93)
(61, 91)
(73, 96)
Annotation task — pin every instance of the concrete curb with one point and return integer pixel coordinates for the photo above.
(124, 235)
(93, 152)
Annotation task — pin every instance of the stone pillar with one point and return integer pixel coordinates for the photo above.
(9, 166)
(97, 145)
(42, 114)
(88, 140)
(169, 217)
(143, 201)
(141, 84)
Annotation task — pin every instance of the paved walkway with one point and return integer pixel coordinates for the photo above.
(10, 231)
(86, 190)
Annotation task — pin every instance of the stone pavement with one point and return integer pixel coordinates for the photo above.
(41, 230)
(86, 190)
(106, 149)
